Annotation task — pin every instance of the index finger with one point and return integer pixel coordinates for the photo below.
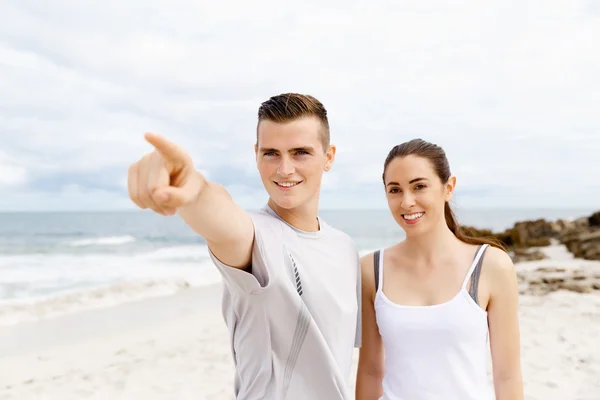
(168, 149)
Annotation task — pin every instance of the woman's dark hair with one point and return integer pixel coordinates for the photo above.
(437, 157)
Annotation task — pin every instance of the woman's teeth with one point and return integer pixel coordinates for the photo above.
(412, 217)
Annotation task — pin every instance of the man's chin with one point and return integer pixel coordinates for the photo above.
(285, 202)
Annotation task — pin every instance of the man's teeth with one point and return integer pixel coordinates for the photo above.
(411, 217)
(287, 184)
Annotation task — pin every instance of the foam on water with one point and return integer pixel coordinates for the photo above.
(44, 285)
(50, 285)
(102, 241)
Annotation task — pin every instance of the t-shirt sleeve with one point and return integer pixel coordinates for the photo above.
(358, 335)
(257, 277)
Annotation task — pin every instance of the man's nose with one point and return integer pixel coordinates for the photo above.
(286, 167)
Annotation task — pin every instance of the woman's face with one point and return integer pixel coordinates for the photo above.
(415, 194)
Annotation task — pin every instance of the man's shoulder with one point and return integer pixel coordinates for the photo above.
(337, 233)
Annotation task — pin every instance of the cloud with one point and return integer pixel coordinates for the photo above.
(11, 173)
(510, 90)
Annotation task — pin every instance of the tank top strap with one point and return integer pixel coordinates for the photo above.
(378, 268)
(475, 264)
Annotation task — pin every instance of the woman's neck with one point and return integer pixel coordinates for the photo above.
(430, 245)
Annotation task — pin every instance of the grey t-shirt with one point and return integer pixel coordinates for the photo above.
(295, 319)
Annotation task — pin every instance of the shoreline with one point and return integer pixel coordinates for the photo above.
(26, 311)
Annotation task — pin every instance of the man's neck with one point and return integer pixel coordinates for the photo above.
(303, 218)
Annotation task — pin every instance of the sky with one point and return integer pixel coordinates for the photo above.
(510, 90)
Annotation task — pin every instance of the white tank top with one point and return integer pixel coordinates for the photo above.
(435, 352)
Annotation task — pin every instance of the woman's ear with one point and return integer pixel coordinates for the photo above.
(449, 188)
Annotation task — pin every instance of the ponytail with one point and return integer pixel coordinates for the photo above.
(467, 236)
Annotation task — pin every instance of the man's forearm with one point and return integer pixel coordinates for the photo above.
(214, 215)
(226, 227)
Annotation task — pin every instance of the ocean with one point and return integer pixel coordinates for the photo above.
(56, 263)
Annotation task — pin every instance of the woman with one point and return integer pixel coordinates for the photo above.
(430, 301)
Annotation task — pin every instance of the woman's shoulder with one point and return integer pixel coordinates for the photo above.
(392, 253)
(367, 262)
(498, 268)
(497, 259)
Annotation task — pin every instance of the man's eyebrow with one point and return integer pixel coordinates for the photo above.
(266, 149)
(308, 149)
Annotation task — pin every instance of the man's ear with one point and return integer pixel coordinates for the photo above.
(330, 157)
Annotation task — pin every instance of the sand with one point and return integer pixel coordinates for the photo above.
(176, 347)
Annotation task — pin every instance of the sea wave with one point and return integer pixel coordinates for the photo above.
(185, 252)
(102, 241)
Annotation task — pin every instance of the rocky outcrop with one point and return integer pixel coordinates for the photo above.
(594, 220)
(581, 237)
(520, 255)
(584, 245)
(525, 242)
(544, 280)
(520, 241)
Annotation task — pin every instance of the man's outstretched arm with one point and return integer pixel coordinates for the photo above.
(167, 182)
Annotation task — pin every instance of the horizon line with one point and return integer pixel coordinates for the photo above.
(123, 210)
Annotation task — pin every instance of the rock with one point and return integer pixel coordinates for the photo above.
(584, 245)
(530, 234)
(580, 236)
(520, 255)
(548, 279)
(554, 279)
(511, 238)
(550, 269)
(540, 242)
(579, 287)
(565, 226)
(594, 219)
(534, 233)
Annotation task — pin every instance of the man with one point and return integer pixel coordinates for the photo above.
(291, 282)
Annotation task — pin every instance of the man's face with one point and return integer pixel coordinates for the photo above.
(291, 161)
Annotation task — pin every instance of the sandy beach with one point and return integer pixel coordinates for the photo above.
(176, 347)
